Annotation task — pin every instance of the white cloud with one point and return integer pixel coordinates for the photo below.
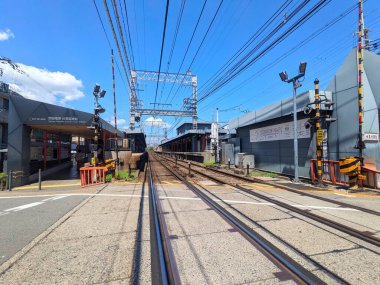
(121, 123)
(6, 34)
(39, 84)
(155, 122)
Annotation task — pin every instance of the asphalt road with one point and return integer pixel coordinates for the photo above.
(23, 219)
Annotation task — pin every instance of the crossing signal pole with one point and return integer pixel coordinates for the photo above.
(316, 121)
(360, 145)
(319, 131)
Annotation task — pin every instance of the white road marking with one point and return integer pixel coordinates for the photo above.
(325, 208)
(3, 213)
(60, 196)
(23, 207)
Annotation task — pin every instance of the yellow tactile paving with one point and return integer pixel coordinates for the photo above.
(46, 186)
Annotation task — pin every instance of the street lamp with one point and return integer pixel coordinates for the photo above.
(296, 84)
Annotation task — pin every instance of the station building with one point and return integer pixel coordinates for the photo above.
(36, 135)
(198, 142)
(268, 133)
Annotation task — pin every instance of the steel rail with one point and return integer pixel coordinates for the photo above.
(300, 274)
(164, 269)
(257, 180)
(338, 226)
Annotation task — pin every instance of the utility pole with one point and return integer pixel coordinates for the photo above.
(114, 108)
(217, 135)
(360, 143)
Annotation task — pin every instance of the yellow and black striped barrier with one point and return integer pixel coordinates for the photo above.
(351, 167)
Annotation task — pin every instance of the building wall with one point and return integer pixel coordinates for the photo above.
(342, 134)
(277, 156)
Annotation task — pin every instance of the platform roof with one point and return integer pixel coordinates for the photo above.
(54, 118)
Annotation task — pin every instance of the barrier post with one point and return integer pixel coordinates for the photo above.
(39, 179)
(247, 169)
(189, 168)
(10, 180)
(229, 163)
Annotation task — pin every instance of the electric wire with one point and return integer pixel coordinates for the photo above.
(116, 41)
(182, 7)
(162, 50)
(188, 46)
(109, 43)
(269, 47)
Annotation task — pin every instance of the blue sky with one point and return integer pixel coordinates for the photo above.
(61, 46)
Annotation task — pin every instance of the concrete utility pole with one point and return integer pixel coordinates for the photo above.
(114, 109)
(296, 84)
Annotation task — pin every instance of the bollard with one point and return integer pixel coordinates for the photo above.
(176, 161)
(129, 170)
(247, 169)
(39, 179)
(229, 163)
(10, 180)
(189, 168)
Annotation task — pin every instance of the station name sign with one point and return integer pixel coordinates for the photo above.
(277, 132)
(371, 137)
(56, 120)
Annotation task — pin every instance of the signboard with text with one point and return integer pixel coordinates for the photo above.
(282, 131)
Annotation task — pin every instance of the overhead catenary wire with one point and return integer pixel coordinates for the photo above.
(108, 40)
(116, 41)
(203, 40)
(162, 49)
(179, 19)
(188, 46)
(295, 26)
(269, 47)
(127, 31)
(271, 34)
(297, 46)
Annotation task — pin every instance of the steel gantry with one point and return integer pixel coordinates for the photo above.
(189, 104)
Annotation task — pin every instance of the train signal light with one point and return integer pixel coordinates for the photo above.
(96, 88)
(284, 76)
(307, 125)
(307, 110)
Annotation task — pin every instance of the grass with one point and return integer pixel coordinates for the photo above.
(259, 173)
(208, 163)
(123, 175)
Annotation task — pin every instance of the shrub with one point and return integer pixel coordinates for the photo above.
(109, 178)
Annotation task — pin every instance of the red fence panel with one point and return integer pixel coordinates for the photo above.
(92, 175)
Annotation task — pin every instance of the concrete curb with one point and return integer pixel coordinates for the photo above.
(10, 262)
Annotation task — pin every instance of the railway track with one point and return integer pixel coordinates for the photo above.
(164, 267)
(363, 236)
(303, 193)
(296, 272)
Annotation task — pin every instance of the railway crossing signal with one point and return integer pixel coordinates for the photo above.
(316, 121)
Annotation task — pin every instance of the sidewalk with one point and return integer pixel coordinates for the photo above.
(96, 243)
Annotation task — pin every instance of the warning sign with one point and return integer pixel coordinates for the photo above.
(319, 135)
